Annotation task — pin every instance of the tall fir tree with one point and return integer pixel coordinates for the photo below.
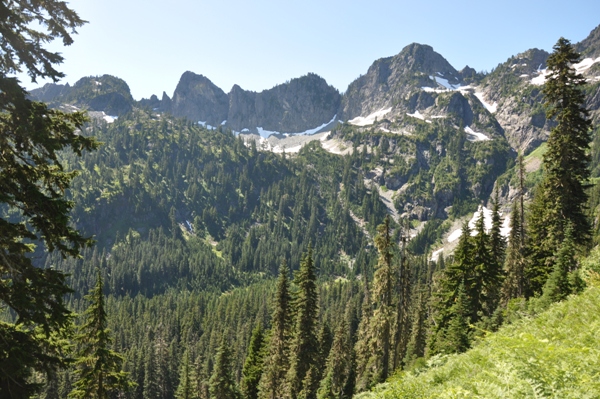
(253, 365)
(186, 389)
(497, 241)
(276, 362)
(375, 354)
(363, 347)
(403, 302)
(337, 367)
(222, 383)
(561, 197)
(457, 335)
(557, 286)
(98, 368)
(461, 272)
(304, 346)
(514, 265)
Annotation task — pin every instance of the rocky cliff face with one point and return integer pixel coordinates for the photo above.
(299, 105)
(198, 99)
(389, 80)
(519, 110)
(105, 93)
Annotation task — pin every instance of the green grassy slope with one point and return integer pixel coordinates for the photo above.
(555, 355)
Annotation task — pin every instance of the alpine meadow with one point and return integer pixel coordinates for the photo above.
(428, 233)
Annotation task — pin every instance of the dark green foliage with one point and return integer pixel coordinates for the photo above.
(514, 266)
(32, 195)
(457, 335)
(276, 362)
(374, 348)
(337, 367)
(557, 286)
(304, 345)
(561, 197)
(253, 366)
(186, 388)
(98, 368)
(222, 383)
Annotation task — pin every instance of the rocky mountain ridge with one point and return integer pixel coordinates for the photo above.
(394, 95)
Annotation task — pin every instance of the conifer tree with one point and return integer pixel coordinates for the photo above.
(513, 284)
(497, 241)
(363, 346)
(485, 291)
(98, 369)
(222, 383)
(33, 184)
(418, 334)
(253, 366)
(403, 304)
(374, 348)
(561, 198)
(276, 362)
(337, 367)
(461, 272)
(557, 286)
(304, 347)
(185, 389)
(457, 334)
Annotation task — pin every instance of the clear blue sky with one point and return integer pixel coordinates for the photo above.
(259, 44)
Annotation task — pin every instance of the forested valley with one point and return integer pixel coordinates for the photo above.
(148, 256)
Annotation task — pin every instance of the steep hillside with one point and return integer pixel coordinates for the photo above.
(555, 354)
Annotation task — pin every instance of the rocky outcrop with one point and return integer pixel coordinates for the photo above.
(105, 93)
(198, 99)
(293, 107)
(519, 102)
(389, 80)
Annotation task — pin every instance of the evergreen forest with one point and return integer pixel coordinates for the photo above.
(151, 257)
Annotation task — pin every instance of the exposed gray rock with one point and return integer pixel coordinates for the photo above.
(293, 107)
(393, 80)
(198, 99)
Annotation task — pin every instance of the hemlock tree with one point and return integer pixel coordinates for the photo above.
(32, 187)
(561, 198)
(98, 368)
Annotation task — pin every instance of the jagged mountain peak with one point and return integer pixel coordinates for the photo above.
(392, 81)
(197, 98)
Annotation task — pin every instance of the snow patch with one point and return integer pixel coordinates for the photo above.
(585, 64)
(109, 118)
(475, 136)
(369, 120)
(206, 125)
(266, 133)
(492, 108)
(487, 220)
(444, 82)
(417, 115)
(224, 122)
